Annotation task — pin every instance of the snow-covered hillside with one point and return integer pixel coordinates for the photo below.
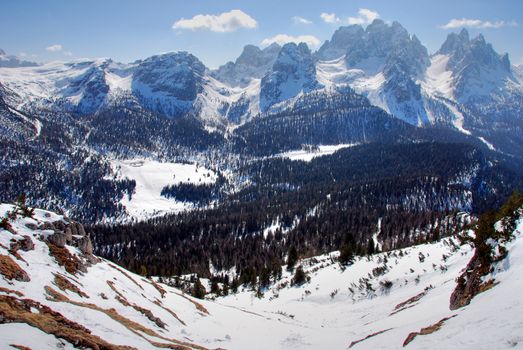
(307, 155)
(58, 295)
(151, 177)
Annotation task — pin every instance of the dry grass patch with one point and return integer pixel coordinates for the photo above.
(158, 288)
(10, 291)
(11, 270)
(52, 322)
(64, 258)
(132, 326)
(64, 284)
(408, 303)
(368, 336)
(159, 303)
(427, 330)
(198, 306)
(19, 347)
(147, 313)
(126, 275)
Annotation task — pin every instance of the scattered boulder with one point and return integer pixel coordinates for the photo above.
(85, 245)
(58, 239)
(47, 226)
(31, 226)
(69, 232)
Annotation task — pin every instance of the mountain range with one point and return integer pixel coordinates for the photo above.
(465, 85)
(64, 123)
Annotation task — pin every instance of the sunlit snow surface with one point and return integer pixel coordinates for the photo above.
(307, 156)
(151, 176)
(321, 314)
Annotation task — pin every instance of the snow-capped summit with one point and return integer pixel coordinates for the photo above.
(293, 72)
(253, 63)
(455, 43)
(168, 83)
(477, 69)
(343, 39)
(382, 62)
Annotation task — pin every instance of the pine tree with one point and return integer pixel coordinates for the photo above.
(292, 258)
(300, 277)
(371, 248)
(198, 290)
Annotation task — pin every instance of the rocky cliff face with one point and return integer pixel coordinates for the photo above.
(253, 63)
(67, 232)
(293, 72)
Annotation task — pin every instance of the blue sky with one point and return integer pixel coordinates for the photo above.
(217, 30)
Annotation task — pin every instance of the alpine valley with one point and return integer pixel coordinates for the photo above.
(361, 195)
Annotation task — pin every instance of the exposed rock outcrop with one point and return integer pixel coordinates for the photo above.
(69, 233)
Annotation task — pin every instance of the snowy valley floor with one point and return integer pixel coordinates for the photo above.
(382, 298)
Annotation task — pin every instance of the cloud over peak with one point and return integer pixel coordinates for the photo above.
(221, 23)
(365, 16)
(329, 18)
(282, 39)
(477, 23)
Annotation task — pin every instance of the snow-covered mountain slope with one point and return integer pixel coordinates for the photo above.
(293, 73)
(172, 84)
(382, 62)
(55, 296)
(465, 85)
(55, 293)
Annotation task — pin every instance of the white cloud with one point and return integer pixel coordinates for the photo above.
(68, 53)
(301, 20)
(22, 55)
(54, 48)
(477, 23)
(365, 16)
(329, 17)
(223, 22)
(282, 39)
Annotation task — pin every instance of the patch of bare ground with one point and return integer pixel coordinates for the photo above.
(427, 330)
(64, 284)
(64, 258)
(10, 291)
(11, 270)
(158, 288)
(198, 306)
(132, 326)
(126, 275)
(19, 347)
(51, 322)
(408, 303)
(368, 336)
(147, 313)
(159, 303)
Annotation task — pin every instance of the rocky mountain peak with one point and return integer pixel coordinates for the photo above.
(293, 72)
(253, 63)
(342, 39)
